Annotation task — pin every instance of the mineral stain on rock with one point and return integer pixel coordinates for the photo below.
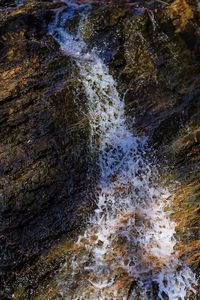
(48, 173)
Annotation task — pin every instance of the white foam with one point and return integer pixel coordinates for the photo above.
(129, 203)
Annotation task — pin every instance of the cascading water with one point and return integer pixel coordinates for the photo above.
(130, 237)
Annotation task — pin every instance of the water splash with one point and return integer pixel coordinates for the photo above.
(130, 236)
(20, 3)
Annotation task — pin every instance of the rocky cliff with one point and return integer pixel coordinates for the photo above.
(47, 170)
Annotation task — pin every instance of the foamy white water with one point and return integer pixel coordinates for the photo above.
(130, 235)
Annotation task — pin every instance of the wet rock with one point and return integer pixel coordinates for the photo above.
(45, 167)
(156, 62)
(153, 52)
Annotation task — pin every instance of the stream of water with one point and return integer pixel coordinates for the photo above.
(130, 237)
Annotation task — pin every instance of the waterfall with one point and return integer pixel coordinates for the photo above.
(130, 236)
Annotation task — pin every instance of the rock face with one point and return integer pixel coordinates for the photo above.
(46, 165)
(164, 96)
(45, 168)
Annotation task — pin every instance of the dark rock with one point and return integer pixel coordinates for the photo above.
(46, 169)
(45, 162)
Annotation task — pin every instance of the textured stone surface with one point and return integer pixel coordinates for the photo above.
(153, 52)
(45, 168)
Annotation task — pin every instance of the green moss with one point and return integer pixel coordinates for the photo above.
(20, 294)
